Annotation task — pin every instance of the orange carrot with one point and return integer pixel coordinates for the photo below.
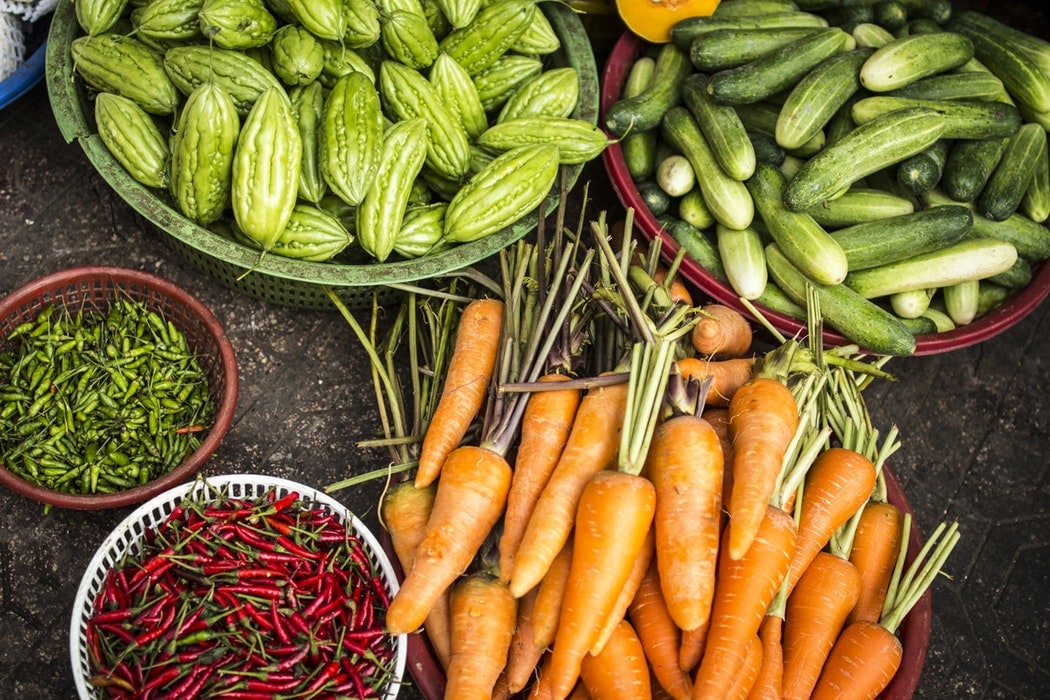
(593, 445)
(550, 593)
(684, 463)
(726, 375)
(769, 682)
(659, 636)
(465, 387)
(483, 616)
(639, 568)
(763, 418)
(613, 519)
(721, 333)
(541, 689)
(746, 587)
(748, 673)
(862, 663)
(619, 670)
(677, 288)
(876, 544)
(691, 649)
(404, 512)
(524, 654)
(471, 493)
(837, 485)
(815, 614)
(545, 427)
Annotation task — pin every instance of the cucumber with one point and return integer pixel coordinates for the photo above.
(910, 58)
(675, 175)
(936, 11)
(766, 148)
(859, 205)
(761, 117)
(728, 48)
(891, 15)
(1035, 204)
(858, 319)
(963, 119)
(922, 172)
(1022, 76)
(895, 238)
(685, 30)
(991, 296)
(1018, 276)
(699, 247)
(969, 259)
(873, 145)
(721, 126)
(969, 164)
(1036, 47)
(777, 70)
(743, 256)
(919, 326)
(818, 96)
(693, 209)
(912, 303)
(639, 147)
(871, 34)
(727, 198)
(799, 236)
(748, 8)
(961, 301)
(1029, 238)
(1007, 184)
(645, 110)
(654, 196)
(970, 85)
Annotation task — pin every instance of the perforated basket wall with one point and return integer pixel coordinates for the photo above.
(128, 536)
(282, 280)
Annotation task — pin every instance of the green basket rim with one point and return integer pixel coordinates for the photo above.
(68, 100)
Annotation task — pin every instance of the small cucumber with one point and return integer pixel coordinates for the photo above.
(970, 85)
(963, 119)
(969, 259)
(860, 204)
(767, 150)
(991, 296)
(761, 118)
(727, 198)
(1037, 47)
(693, 209)
(777, 70)
(1007, 184)
(872, 146)
(799, 236)
(911, 303)
(675, 175)
(1030, 238)
(721, 126)
(696, 244)
(871, 34)
(1035, 204)
(857, 318)
(744, 259)
(889, 14)
(910, 58)
(685, 30)
(748, 8)
(1018, 276)
(961, 301)
(639, 147)
(883, 241)
(645, 110)
(728, 48)
(970, 162)
(922, 171)
(818, 96)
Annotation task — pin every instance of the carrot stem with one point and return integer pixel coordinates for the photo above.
(905, 591)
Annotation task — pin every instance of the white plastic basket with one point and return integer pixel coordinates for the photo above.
(128, 536)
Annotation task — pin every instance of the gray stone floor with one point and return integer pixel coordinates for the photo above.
(974, 425)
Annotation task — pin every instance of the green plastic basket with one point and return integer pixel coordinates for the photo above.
(275, 279)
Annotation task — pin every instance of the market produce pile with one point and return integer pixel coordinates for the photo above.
(327, 128)
(611, 487)
(894, 154)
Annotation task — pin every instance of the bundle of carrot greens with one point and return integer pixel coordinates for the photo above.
(608, 490)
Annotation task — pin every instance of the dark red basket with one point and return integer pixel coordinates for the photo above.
(91, 288)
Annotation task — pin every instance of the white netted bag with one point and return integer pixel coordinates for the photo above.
(12, 44)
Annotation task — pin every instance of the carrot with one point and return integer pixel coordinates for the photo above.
(748, 673)
(471, 493)
(837, 485)
(483, 615)
(612, 522)
(691, 648)
(550, 593)
(746, 587)
(639, 568)
(769, 681)
(620, 669)
(815, 614)
(524, 654)
(876, 543)
(659, 636)
(677, 288)
(541, 689)
(763, 418)
(545, 427)
(684, 463)
(726, 375)
(721, 333)
(404, 511)
(466, 384)
(592, 446)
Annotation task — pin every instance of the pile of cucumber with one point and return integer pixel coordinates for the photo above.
(890, 154)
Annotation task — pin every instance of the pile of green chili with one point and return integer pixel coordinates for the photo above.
(95, 402)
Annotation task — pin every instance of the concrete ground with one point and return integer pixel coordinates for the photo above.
(975, 426)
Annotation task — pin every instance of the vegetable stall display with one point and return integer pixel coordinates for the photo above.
(896, 160)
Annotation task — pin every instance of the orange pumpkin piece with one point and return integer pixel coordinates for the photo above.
(652, 19)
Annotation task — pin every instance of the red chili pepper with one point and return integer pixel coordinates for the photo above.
(292, 659)
(164, 676)
(327, 673)
(258, 590)
(256, 615)
(287, 544)
(360, 691)
(279, 627)
(286, 501)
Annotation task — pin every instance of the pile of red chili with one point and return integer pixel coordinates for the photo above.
(238, 597)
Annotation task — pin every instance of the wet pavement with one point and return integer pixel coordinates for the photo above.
(975, 426)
